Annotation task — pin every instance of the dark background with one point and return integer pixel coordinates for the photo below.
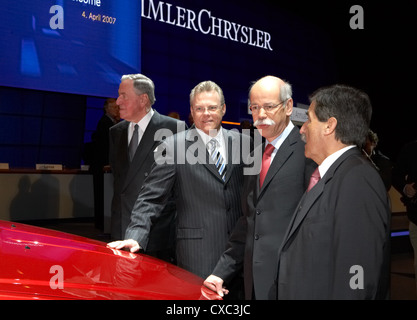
(313, 46)
(381, 59)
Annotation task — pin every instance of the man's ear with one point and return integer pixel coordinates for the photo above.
(330, 126)
(289, 107)
(144, 98)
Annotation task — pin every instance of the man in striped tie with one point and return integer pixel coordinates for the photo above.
(217, 157)
(207, 189)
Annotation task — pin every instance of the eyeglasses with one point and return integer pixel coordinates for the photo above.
(210, 109)
(271, 108)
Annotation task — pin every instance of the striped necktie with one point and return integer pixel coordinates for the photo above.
(217, 158)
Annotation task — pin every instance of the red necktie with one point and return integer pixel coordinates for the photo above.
(315, 177)
(266, 162)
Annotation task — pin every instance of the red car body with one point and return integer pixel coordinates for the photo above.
(39, 263)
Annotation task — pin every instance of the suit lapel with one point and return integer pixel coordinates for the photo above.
(282, 155)
(231, 144)
(122, 148)
(196, 149)
(145, 148)
(309, 198)
(147, 142)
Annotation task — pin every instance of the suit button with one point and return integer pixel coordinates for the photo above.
(146, 174)
(258, 212)
(256, 236)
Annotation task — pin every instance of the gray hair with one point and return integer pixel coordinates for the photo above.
(206, 86)
(142, 85)
(350, 106)
(285, 91)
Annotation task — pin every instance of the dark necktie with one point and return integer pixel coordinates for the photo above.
(217, 158)
(133, 143)
(266, 162)
(315, 177)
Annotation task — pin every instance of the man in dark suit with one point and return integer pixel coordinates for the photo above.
(99, 155)
(270, 198)
(100, 136)
(135, 101)
(207, 194)
(338, 242)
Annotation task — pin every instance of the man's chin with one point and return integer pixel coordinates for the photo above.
(207, 129)
(263, 130)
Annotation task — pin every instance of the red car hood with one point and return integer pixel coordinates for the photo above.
(38, 263)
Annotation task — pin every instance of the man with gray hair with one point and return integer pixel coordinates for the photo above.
(269, 198)
(132, 143)
(207, 192)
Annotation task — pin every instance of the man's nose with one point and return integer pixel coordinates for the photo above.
(302, 129)
(262, 113)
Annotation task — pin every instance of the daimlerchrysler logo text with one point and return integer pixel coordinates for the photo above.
(203, 21)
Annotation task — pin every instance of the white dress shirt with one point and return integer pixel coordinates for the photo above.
(143, 124)
(277, 142)
(326, 164)
(221, 145)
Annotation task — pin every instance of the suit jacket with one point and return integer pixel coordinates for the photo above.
(339, 237)
(207, 206)
(100, 139)
(96, 152)
(267, 213)
(130, 176)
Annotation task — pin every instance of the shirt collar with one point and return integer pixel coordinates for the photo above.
(143, 123)
(206, 138)
(277, 142)
(326, 164)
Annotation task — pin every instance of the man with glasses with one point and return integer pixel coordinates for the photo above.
(270, 198)
(206, 176)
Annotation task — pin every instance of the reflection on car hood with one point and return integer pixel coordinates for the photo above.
(38, 263)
